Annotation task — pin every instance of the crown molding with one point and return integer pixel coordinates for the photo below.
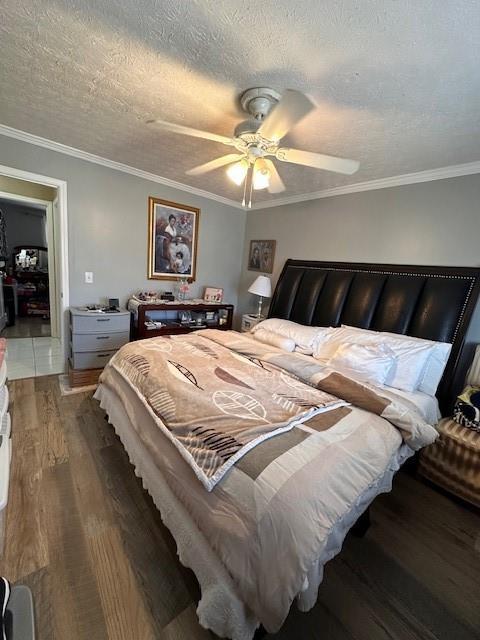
(24, 136)
(430, 175)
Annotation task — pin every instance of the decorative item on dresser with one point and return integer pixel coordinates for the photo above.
(249, 320)
(94, 338)
(180, 317)
(213, 294)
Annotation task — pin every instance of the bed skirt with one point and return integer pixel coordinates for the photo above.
(220, 608)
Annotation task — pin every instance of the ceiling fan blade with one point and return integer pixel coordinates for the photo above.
(318, 160)
(214, 164)
(292, 108)
(276, 183)
(188, 131)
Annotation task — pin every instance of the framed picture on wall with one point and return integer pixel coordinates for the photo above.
(261, 255)
(172, 240)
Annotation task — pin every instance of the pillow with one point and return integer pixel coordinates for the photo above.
(326, 347)
(435, 364)
(411, 361)
(434, 368)
(367, 362)
(304, 337)
(276, 340)
(411, 354)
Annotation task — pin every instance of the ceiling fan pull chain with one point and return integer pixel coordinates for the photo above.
(244, 201)
(251, 185)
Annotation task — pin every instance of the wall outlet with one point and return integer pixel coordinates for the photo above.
(89, 277)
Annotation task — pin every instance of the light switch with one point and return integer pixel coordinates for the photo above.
(89, 277)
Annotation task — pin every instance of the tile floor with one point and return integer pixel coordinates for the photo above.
(30, 357)
(27, 327)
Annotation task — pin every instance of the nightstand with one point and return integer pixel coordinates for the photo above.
(453, 461)
(249, 320)
(94, 338)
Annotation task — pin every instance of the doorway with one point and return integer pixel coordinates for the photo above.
(33, 265)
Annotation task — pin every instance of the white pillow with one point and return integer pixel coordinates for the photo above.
(411, 361)
(268, 337)
(435, 365)
(367, 362)
(411, 354)
(305, 337)
(326, 347)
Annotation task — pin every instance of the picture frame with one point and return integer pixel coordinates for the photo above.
(213, 294)
(261, 255)
(172, 240)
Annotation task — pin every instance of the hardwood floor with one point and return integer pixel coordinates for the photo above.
(87, 539)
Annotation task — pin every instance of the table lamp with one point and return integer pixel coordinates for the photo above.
(262, 287)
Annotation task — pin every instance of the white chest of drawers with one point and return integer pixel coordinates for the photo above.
(94, 338)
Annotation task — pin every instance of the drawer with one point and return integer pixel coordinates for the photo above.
(91, 359)
(99, 341)
(100, 323)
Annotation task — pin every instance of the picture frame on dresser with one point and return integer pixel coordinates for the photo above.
(172, 240)
(213, 294)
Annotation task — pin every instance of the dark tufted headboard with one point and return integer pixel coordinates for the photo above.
(435, 303)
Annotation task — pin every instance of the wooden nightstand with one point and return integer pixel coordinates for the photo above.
(249, 320)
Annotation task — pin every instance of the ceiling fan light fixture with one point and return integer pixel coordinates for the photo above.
(261, 175)
(237, 171)
(261, 179)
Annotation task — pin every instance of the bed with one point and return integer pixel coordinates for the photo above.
(294, 488)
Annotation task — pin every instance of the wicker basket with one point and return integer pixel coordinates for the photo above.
(453, 461)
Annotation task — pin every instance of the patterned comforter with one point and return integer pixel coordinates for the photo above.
(219, 398)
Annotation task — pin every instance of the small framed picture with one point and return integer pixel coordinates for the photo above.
(261, 255)
(213, 294)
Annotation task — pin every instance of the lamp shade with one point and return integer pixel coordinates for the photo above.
(261, 287)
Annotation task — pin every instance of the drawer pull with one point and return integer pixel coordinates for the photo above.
(103, 337)
(103, 319)
(103, 355)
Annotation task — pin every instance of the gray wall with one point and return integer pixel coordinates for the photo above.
(428, 223)
(107, 227)
(435, 223)
(24, 225)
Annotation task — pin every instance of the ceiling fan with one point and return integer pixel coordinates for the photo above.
(271, 116)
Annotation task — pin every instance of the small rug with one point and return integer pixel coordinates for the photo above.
(67, 390)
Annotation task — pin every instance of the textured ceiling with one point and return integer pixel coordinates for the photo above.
(396, 81)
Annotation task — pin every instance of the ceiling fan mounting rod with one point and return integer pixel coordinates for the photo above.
(259, 101)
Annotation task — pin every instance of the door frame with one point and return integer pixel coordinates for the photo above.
(61, 230)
